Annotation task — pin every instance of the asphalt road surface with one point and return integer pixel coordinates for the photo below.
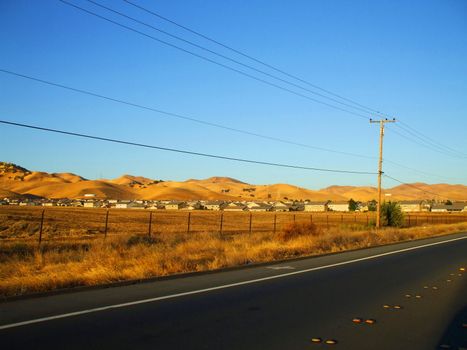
(415, 293)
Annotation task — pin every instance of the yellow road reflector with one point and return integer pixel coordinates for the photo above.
(418, 296)
(425, 287)
(387, 306)
(459, 274)
(316, 340)
(397, 307)
(370, 321)
(452, 274)
(357, 320)
(462, 269)
(331, 341)
(448, 281)
(408, 296)
(435, 287)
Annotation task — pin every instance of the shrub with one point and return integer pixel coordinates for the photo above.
(147, 240)
(297, 230)
(391, 214)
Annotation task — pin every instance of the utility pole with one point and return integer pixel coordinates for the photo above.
(380, 164)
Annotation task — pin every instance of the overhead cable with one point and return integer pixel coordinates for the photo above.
(168, 149)
(216, 62)
(180, 116)
(152, 12)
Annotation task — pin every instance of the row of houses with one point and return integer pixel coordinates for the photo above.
(258, 206)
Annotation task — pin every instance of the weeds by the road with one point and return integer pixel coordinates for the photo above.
(25, 268)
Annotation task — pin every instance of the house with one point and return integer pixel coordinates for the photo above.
(445, 208)
(192, 205)
(129, 205)
(410, 206)
(49, 204)
(91, 204)
(279, 206)
(316, 206)
(214, 205)
(235, 207)
(27, 203)
(338, 206)
(261, 207)
(175, 205)
(457, 207)
(252, 205)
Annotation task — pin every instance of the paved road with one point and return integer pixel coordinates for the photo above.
(281, 306)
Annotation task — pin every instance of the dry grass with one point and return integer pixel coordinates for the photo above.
(87, 260)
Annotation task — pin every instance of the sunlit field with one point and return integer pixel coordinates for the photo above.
(78, 248)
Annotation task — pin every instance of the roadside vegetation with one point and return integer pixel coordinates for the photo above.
(84, 260)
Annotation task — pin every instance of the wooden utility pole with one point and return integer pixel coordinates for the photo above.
(380, 164)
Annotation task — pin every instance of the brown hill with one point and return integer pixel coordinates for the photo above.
(218, 179)
(69, 177)
(182, 191)
(16, 181)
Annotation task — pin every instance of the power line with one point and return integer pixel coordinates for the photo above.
(255, 59)
(215, 62)
(129, 143)
(203, 122)
(428, 146)
(180, 116)
(424, 173)
(432, 141)
(227, 58)
(432, 144)
(415, 187)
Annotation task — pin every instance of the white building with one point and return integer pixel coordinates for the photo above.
(339, 206)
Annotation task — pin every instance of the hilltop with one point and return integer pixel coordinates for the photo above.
(16, 181)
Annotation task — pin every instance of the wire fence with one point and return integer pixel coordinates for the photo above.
(56, 223)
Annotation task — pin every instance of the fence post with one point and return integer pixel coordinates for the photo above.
(416, 220)
(275, 222)
(251, 219)
(342, 218)
(42, 225)
(222, 223)
(294, 218)
(355, 218)
(188, 224)
(409, 219)
(150, 224)
(106, 223)
(327, 221)
(311, 218)
(367, 219)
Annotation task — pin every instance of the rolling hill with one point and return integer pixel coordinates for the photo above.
(16, 181)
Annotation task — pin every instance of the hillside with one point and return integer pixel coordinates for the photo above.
(16, 181)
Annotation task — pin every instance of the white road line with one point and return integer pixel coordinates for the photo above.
(224, 286)
(281, 267)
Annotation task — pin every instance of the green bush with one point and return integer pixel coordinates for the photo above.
(391, 214)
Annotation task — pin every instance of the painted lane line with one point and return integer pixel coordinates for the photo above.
(224, 286)
(281, 267)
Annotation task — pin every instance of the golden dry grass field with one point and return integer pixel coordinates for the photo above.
(75, 251)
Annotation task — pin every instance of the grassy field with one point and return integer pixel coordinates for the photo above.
(75, 250)
(25, 222)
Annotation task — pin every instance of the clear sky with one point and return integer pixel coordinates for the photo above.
(405, 58)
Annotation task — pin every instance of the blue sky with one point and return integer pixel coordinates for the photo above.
(407, 59)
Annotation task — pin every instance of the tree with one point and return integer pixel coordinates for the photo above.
(391, 214)
(448, 202)
(353, 205)
(372, 205)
